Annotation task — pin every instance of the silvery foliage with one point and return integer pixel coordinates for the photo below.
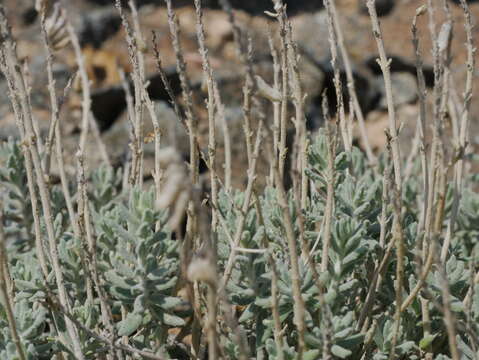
(139, 267)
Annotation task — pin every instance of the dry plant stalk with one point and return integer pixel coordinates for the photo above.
(203, 268)
(421, 130)
(191, 119)
(57, 307)
(55, 111)
(83, 220)
(382, 266)
(449, 317)
(328, 214)
(421, 119)
(278, 336)
(85, 86)
(211, 107)
(244, 52)
(130, 164)
(437, 177)
(166, 82)
(328, 334)
(139, 47)
(226, 137)
(340, 112)
(276, 105)
(275, 294)
(39, 245)
(82, 226)
(240, 223)
(299, 306)
(393, 144)
(6, 295)
(281, 150)
(398, 239)
(134, 41)
(13, 71)
(90, 256)
(353, 96)
(462, 141)
(424, 242)
(434, 236)
(301, 141)
(385, 63)
(192, 225)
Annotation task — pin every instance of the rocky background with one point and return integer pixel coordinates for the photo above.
(105, 50)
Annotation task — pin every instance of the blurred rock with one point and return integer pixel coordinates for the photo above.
(367, 92)
(378, 121)
(254, 7)
(117, 138)
(401, 64)
(458, 2)
(383, 7)
(29, 16)
(404, 88)
(9, 127)
(106, 52)
(108, 103)
(98, 25)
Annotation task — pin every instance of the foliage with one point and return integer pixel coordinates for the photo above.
(138, 262)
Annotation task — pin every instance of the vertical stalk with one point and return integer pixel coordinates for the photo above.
(385, 63)
(27, 120)
(7, 301)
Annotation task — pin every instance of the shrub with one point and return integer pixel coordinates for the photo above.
(355, 261)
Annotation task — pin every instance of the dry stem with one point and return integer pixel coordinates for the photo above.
(27, 122)
(340, 113)
(351, 86)
(385, 63)
(7, 301)
(330, 175)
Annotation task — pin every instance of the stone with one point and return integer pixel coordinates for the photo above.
(117, 138)
(378, 121)
(404, 88)
(99, 25)
(383, 7)
(253, 7)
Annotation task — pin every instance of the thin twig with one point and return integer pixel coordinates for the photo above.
(333, 43)
(464, 129)
(27, 120)
(138, 76)
(58, 307)
(330, 176)
(382, 266)
(51, 89)
(7, 301)
(244, 210)
(282, 150)
(15, 101)
(208, 73)
(299, 305)
(351, 85)
(301, 141)
(398, 238)
(244, 52)
(385, 63)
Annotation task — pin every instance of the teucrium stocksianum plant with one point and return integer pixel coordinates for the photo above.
(307, 272)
